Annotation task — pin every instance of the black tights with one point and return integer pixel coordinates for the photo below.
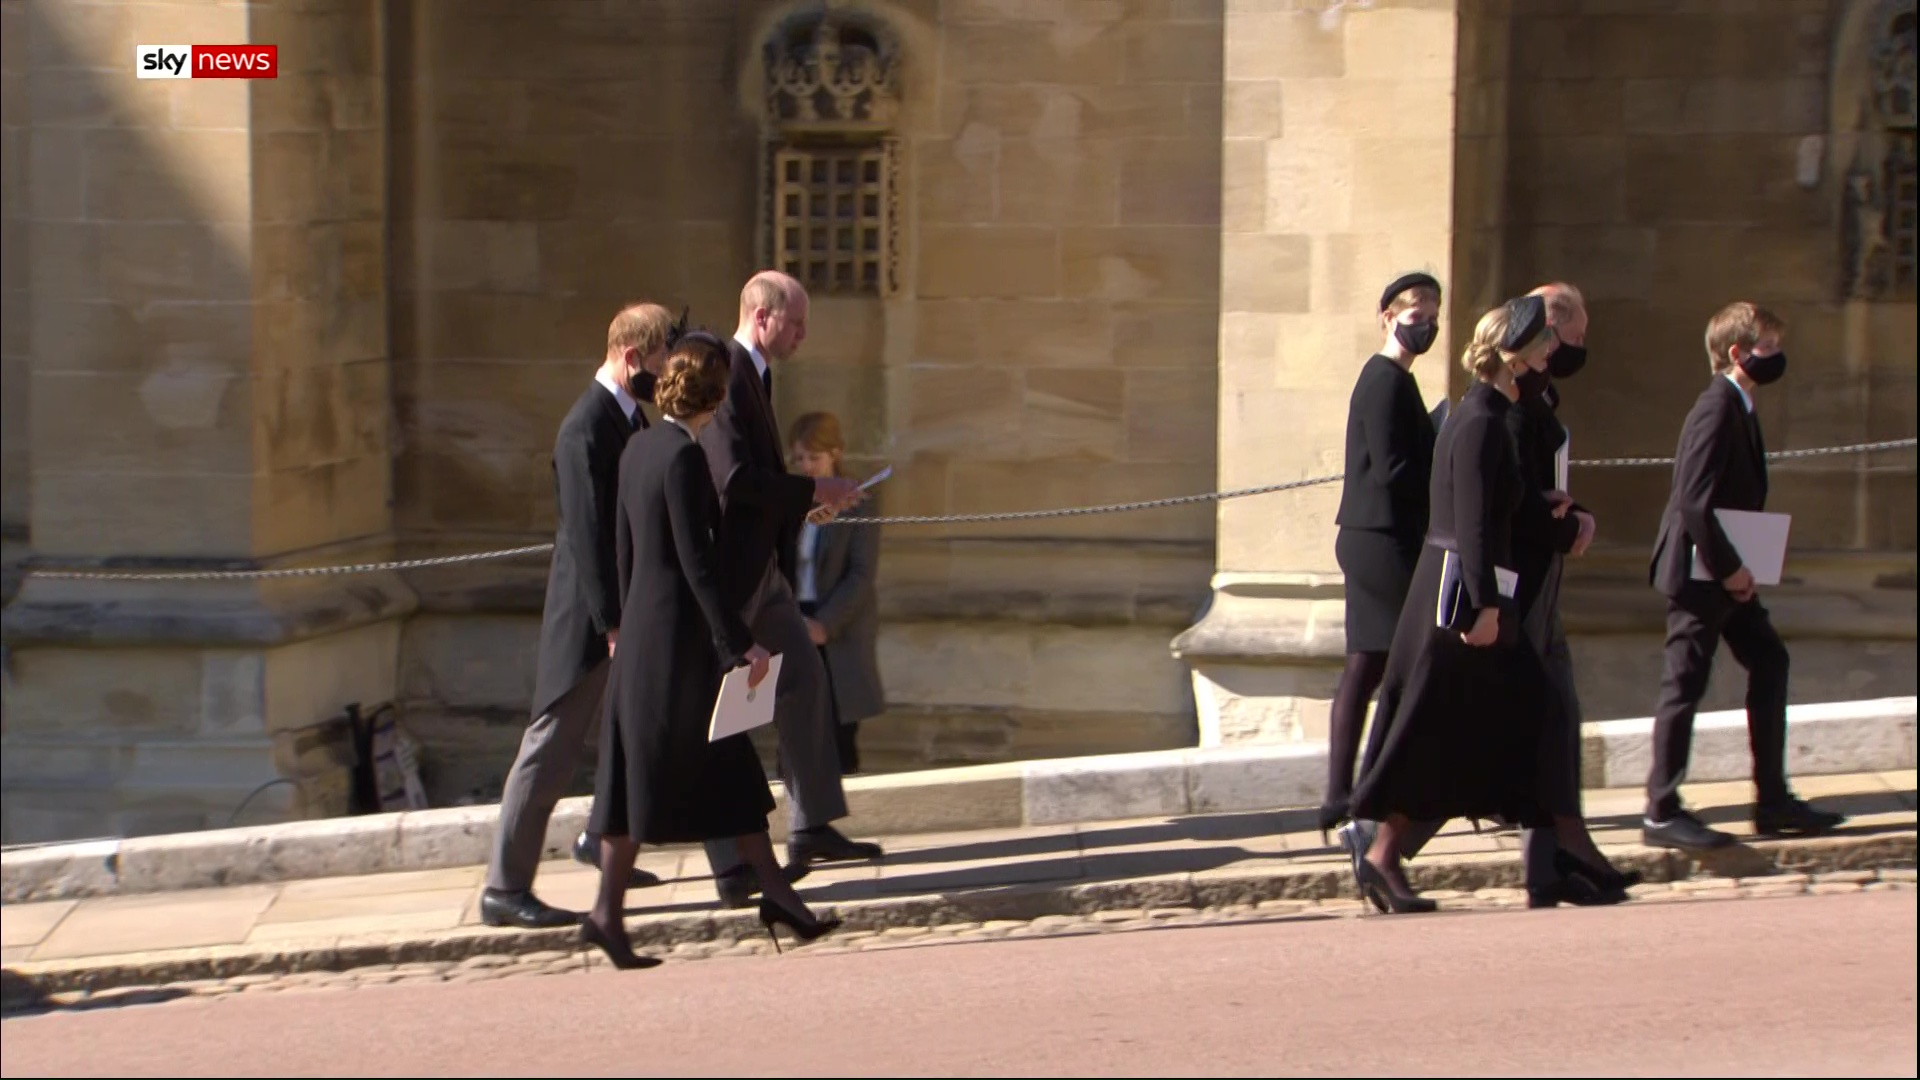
(1361, 678)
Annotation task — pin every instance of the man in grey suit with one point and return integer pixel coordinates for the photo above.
(764, 506)
(580, 626)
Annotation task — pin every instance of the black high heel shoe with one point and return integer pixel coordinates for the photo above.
(1605, 880)
(772, 914)
(1374, 887)
(1332, 814)
(624, 959)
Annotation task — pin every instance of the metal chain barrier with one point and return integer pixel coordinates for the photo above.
(947, 519)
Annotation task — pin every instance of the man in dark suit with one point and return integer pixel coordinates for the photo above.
(1721, 465)
(580, 626)
(764, 506)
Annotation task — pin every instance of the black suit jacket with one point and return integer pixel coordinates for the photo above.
(1389, 452)
(1537, 535)
(763, 505)
(583, 587)
(1721, 465)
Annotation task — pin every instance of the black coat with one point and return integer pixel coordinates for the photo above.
(763, 503)
(659, 779)
(1390, 439)
(1458, 728)
(583, 594)
(1539, 538)
(1721, 465)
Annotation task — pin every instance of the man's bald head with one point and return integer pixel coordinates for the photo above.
(773, 313)
(1566, 311)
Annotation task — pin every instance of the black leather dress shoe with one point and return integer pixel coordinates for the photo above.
(826, 844)
(522, 909)
(586, 851)
(1794, 818)
(737, 887)
(1683, 832)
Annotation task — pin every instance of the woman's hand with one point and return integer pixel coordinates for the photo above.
(757, 660)
(1561, 503)
(816, 632)
(1585, 539)
(1486, 628)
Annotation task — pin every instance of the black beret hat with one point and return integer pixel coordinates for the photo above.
(1404, 282)
(1526, 318)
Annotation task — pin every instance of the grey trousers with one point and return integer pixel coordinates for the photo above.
(1544, 629)
(802, 716)
(550, 752)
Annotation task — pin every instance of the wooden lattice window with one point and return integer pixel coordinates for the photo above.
(1901, 211)
(831, 211)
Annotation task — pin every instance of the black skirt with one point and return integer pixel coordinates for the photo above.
(1459, 729)
(1379, 569)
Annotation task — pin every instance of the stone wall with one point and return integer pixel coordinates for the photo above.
(204, 306)
(1670, 161)
(1050, 343)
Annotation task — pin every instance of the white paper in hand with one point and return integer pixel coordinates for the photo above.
(1562, 458)
(739, 708)
(1761, 540)
(877, 477)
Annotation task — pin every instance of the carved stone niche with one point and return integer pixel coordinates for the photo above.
(832, 72)
(1878, 216)
(830, 171)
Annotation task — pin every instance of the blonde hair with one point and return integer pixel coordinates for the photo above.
(1407, 298)
(819, 432)
(1483, 358)
(694, 380)
(639, 326)
(1739, 323)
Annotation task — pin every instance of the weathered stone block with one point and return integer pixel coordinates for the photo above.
(1768, 105)
(1166, 335)
(951, 408)
(999, 261)
(1073, 413)
(1169, 182)
(85, 515)
(1253, 109)
(1310, 183)
(1168, 413)
(1060, 182)
(1400, 43)
(1166, 52)
(996, 333)
(1270, 273)
(958, 179)
(1072, 53)
(1284, 45)
(1163, 263)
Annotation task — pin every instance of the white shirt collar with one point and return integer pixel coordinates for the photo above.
(759, 360)
(627, 403)
(1744, 396)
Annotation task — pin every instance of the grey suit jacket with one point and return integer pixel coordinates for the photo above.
(846, 561)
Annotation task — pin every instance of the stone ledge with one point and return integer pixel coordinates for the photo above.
(1888, 856)
(1842, 737)
(190, 614)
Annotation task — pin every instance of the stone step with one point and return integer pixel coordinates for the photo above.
(1841, 737)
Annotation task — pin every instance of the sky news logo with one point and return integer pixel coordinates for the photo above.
(206, 61)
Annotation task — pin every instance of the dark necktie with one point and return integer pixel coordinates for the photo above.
(766, 380)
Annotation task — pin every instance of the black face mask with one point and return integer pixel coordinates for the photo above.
(1765, 369)
(1532, 384)
(640, 385)
(1566, 361)
(1416, 338)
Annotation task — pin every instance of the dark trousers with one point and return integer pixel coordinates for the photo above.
(1697, 620)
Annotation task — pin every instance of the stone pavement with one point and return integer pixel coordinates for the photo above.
(1065, 878)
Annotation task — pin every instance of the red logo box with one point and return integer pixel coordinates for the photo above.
(236, 61)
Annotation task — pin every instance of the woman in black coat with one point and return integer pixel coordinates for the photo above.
(1383, 515)
(1459, 730)
(660, 781)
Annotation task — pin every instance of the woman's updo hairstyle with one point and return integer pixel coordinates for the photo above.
(1502, 334)
(694, 380)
